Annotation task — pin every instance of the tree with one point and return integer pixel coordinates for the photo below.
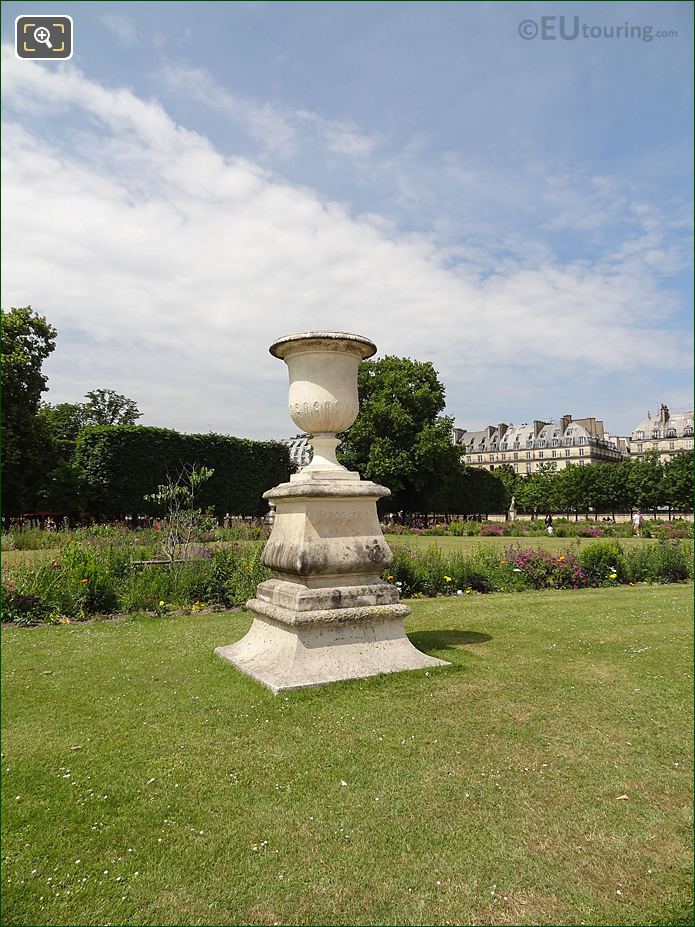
(27, 340)
(646, 482)
(62, 424)
(106, 407)
(510, 481)
(537, 492)
(572, 489)
(184, 519)
(678, 482)
(400, 438)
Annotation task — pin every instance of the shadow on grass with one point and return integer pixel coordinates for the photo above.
(446, 640)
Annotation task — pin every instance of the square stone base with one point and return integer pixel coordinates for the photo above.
(283, 650)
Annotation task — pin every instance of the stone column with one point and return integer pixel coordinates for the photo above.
(325, 614)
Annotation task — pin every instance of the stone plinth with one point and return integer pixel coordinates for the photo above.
(326, 614)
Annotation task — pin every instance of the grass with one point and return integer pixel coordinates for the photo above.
(544, 778)
(11, 559)
(468, 544)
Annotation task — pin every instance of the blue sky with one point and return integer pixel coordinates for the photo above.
(202, 178)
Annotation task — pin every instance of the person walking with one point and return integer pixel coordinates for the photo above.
(637, 522)
(549, 523)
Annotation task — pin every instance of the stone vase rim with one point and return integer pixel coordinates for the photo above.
(281, 346)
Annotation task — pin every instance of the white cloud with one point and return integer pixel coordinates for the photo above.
(281, 133)
(168, 269)
(122, 27)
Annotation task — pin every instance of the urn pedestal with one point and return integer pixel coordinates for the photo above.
(325, 615)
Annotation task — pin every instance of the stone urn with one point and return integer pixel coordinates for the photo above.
(326, 614)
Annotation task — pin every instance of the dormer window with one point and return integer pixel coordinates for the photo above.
(639, 435)
(688, 430)
(671, 433)
(655, 433)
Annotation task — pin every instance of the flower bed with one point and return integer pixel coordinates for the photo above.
(433, 572)
(98, 578)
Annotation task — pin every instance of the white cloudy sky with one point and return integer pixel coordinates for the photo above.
(203, 178)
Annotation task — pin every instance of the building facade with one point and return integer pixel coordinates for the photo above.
(528, 446)
(668, 434)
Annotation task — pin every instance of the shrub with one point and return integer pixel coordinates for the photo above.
(668, 531)
(673, 561)
(31, 539)
(604, 563)
(247, 572)
(402, 571)
(176, 584)
(491, 530)
(437, 531)
(239, 532)
(232, 575)
(457, 529)
(24, 610)
(543, 570)
(586, 532)
(641, 564)
(430, 569)
(664, 562)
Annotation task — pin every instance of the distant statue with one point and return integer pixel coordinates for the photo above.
(512, 509)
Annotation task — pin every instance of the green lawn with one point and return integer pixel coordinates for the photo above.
(14, 558)
(545, 778)
(467, 545)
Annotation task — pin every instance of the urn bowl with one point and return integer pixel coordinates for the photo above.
(323, 378)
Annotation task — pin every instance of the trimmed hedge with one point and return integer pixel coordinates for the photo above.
(120, 464)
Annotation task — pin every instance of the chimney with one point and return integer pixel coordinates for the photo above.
(664, 415)
(458, 435)
(501, 430)
(589, 424)
(537, 427)
(564, 422)
(489, 431)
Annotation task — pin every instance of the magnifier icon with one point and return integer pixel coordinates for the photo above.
(42, 34)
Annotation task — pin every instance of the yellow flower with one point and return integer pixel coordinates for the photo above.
(448, 579)
(613, 575)
(161, 603)
(389, 578)
(561, 558)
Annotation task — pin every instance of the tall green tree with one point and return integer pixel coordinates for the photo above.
(678, 482)
(606, 486)
(400, 437)
(646, 482)
(509, 480)
(107, 407)
(62, 424)
(27, 340)
(537, 492)
(572, 489)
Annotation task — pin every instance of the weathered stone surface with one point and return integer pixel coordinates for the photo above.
(301, 598)
(284, 657)
(335, 534)
(326, 614)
